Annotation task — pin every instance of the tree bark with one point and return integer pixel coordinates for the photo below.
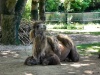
(34, 10)
(0, 12)
(42, 10)
(1, 8)
(7, 29)
(7, 21)
(11, 15)
(19, 8)
(0, 19)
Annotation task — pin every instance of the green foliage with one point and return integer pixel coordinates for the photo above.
(27, 11)
(86, 46)
(99, 51)
(87, 49)
(68, 26)
(76, 5)
(60, 27)
(61, 8)
(52, 5)
(65, 27)
(67, 5)
(94, 33)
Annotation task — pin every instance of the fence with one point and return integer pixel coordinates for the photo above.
(55, 16)
(73, 17)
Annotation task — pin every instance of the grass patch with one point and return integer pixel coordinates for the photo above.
(92, 33)
(80, 28)
(74, 26)
(65, 26)
(88, 49)
(95, 33)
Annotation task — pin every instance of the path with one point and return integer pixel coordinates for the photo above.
(12, 59)
(11, 63)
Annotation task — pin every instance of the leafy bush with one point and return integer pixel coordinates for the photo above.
(76, 5)
(69, 26)
(52, 5)
(60, 27)
(27, 11)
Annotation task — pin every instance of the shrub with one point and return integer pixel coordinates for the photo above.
(27, 11)
(52, 5)
(76, 5)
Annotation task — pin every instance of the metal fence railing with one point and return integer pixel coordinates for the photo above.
(73, 17)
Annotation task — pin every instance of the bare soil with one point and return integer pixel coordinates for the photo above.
(12, 61)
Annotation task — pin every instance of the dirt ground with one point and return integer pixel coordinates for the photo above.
(12, 61)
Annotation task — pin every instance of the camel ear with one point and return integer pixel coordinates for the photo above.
(31, 35)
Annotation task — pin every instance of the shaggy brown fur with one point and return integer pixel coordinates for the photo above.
(53, 48)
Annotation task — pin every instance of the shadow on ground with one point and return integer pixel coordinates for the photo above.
(12, 63)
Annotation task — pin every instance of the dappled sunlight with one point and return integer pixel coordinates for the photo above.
(74, 28)
(28, 73)
(96, 47)
(86, 60)
(86, 66)
(72, 72)
(92, 50)
(91, 27)
(88, 72)
(92, 63)
(9, 53)
(62, 1)
(64, 64)
(78, 65)
(89, 49)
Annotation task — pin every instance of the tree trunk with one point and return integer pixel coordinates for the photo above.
(8, 29)
(1, 9)
(11, 16)
(7, 21)
(0, 19)
(0, 13)
(19, 8)
(34, 10)
(42, 10)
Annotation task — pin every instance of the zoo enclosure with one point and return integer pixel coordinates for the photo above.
(73, 17)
